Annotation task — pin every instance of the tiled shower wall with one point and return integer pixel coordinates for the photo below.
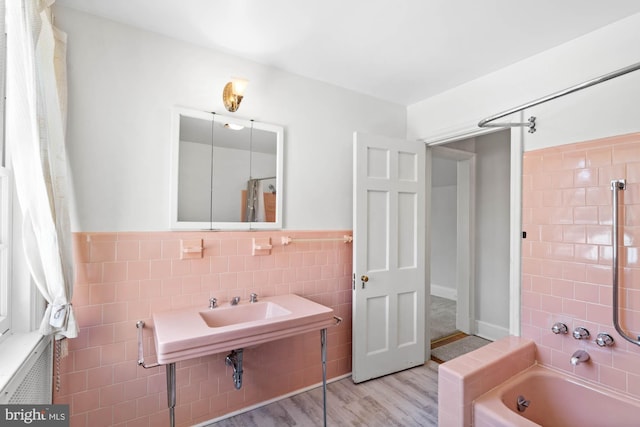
(125, 277)
(566, 261)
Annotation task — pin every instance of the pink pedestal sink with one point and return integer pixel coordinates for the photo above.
(185, 334)
(195, 332)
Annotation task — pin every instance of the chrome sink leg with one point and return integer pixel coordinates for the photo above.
(323, 351)
(171, 393)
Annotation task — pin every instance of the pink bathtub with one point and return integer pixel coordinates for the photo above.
(555, 400)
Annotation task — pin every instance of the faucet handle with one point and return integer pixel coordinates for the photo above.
(604, 340)
(213, 302)
(253, 297)
(581, 333)
(559, 328)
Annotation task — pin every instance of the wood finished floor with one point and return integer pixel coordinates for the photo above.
(405, 399)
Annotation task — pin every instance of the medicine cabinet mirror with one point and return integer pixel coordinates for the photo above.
(226, 173)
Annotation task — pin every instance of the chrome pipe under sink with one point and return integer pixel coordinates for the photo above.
(234, 359)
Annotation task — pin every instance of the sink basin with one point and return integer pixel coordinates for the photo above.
(189, 333)
(232, 315)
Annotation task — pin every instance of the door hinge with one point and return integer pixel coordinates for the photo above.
(353, 281)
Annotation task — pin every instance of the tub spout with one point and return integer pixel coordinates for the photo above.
(579, 356)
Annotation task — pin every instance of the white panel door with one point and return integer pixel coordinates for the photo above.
(389, 261)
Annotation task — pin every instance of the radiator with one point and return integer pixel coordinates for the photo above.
(32, 383)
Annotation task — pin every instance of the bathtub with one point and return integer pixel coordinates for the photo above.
(555, 399)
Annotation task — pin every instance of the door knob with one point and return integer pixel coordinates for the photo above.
(364, 279)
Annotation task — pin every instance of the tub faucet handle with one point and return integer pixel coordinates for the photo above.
(213, 303)
(559, 328)
(604, 340)
(253, 297)
(581, 333)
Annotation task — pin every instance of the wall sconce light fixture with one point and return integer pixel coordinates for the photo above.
(233, 93)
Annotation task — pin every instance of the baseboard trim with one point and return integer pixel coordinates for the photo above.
(444, 292)
(490, 331)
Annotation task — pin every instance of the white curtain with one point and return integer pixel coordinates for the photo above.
(36, 117)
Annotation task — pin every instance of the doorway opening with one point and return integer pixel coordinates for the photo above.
(470, 252)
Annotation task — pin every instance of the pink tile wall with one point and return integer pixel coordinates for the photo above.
(566, 257)
(125, 277)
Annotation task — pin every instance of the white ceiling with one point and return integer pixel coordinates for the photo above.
(402, 51)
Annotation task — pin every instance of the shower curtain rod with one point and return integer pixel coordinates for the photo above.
(531, 123)
(262, 179)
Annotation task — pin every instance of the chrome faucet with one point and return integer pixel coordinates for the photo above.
(253, 297)
(522, 404)
(579, 356)
(559, 328)
(581, 333)
(213, 303)
(234, 301)
(604, 340)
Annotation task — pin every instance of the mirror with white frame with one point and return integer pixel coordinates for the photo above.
(226, 173)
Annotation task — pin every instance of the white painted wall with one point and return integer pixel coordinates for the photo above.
(492, 209)
(492, 233)
(122, 85)
(443, 240)
(443, 227)
(600, 111)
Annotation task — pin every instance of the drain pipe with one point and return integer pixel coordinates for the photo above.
(234, 359)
